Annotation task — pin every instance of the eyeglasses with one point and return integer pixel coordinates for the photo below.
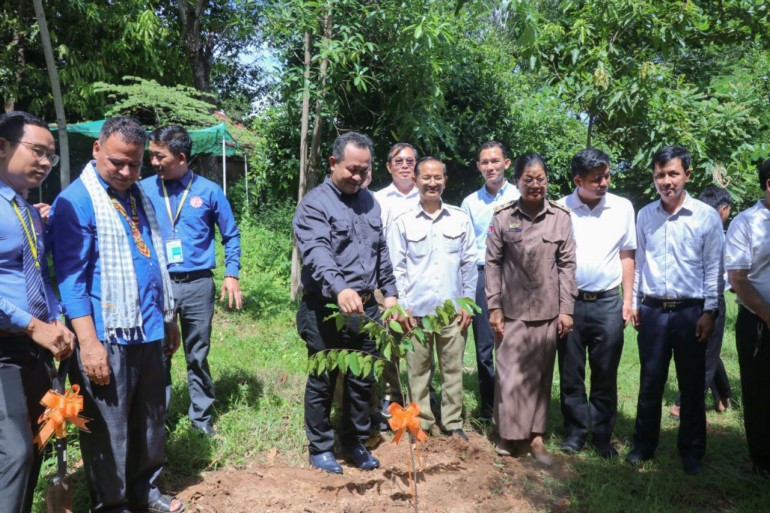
(399, 161)
(40, 152)
(530, 181)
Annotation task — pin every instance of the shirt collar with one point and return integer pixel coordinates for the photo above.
(687, 205)
(442, 211)
(183, 180)
(576, 202)
(392, 190)
(109, 189)
(502, 190)
(547, 209)
(6, 191)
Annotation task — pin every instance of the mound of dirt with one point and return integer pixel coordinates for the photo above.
(457, 477)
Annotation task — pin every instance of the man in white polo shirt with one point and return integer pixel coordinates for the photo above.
(492, 162)
(605, 234)
(747, 261)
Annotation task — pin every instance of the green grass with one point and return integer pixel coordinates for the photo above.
(258, 362)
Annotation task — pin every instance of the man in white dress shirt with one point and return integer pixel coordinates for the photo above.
(433, 251)
(605, 234)
(678, 255)
(747, 261)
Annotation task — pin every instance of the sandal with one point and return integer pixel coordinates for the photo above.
(163, 505)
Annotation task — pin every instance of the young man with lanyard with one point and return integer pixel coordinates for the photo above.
(30, 332)
(492, 162)
(189, 207)
(111, 267)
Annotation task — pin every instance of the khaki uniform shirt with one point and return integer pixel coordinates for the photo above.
(530, 263)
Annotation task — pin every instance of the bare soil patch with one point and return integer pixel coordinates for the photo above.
(457, 477)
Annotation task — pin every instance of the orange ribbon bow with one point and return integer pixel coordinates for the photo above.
(405, 419)
(60, 409)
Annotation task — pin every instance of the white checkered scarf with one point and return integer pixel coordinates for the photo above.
(121, 310)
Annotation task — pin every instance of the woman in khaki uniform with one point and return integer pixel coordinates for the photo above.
(531, 289)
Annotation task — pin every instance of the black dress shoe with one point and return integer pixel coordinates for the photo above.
(458, 433)
(636, 458)
(360, 457)
(606, 450)
(692, 466)
(571, 446)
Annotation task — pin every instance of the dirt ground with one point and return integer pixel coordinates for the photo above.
(457, 477)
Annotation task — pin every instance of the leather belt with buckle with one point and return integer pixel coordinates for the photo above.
(584, 295)
(671, 305)
(366, 296)
(190, 276)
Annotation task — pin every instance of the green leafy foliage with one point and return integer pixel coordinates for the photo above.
(389, 335)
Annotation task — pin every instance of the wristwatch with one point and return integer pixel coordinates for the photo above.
(713, 312)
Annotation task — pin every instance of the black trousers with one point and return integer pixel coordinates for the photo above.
(485, 345)
(662, 334)
(752, 338)
(123, 454)
(597, 330)
(23, 382)
(320, 335)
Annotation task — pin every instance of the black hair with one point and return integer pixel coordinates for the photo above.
(396, 149)
(489, 145)
(428, 159)
(587, 160)
(667, 153)
(175, 137)
(764, 174)
(129, 130)
(527, 160)
(356, 139)
(716, 197)
(12, 124)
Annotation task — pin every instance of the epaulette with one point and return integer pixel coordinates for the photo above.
(505, 205)
(560, 206)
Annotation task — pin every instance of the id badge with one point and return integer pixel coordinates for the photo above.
(174, 251)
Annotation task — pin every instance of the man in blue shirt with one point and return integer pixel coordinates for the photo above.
(344, 258)
(109, 260)
(189, 207)
(492, 163)
(30, 332)
(674, 304)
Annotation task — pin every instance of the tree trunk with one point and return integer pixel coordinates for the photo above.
(58, 102)
(315, 156)
(200, 53)
(295, 262)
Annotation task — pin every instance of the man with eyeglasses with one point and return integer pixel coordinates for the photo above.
(111, 266)
(492, 162)
(30, 332)
(398, 197)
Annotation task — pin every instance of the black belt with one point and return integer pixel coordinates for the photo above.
(671, 305)
(191, 276)
(584, 295)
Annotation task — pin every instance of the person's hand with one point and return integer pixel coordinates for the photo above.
(564, 325)
(350, 302)
(408, 321)
(628, 313)
(53, 336)
(635, 321)
(390, 302)
(497, 322)
(232, 290)
(173, 338)
(93, 359)
(464, 319)
(704, 327)
(44, 210)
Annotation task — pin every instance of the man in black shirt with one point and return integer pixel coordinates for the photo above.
(345, 257)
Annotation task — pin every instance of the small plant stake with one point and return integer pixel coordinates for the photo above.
(392, 345)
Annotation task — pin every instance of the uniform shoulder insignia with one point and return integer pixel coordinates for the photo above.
(560, 206)
(505, 205)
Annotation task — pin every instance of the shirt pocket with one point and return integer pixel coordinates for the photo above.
(416, 242)
(691, 250)
(340, 236)
(550, 247)
(453, 239)
(374, 225)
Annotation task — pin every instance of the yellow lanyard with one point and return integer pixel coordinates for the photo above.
(174, 218)
(32, 239)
